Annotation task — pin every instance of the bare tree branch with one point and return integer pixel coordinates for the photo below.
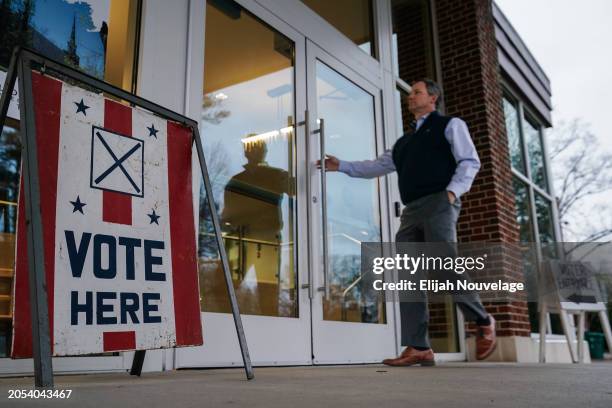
(581, 170)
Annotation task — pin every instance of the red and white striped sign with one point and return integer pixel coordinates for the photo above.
(118, 227)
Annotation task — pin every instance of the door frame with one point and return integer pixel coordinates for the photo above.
(271, 340)
(363, 335)
(295, 20)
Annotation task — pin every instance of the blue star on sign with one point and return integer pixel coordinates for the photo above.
(154, 217)
(78, 205)
(153, 131)
(81, 107)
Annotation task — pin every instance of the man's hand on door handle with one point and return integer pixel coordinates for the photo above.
(331, 163)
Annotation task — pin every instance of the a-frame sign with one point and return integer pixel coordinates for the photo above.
(106, 252)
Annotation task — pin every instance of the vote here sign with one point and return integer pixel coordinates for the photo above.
(118, 227)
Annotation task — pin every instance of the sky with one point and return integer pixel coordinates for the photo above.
(54, 19)
(571, 42)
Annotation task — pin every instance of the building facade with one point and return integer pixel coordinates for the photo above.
(275, 85)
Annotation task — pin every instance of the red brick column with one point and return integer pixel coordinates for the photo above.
(472, 88)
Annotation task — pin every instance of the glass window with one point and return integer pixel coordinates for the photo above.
(545, 219)
(10, 156)
(412, 40)
(248, 114)
(353, 18)
(514, 135)
(526, 237)
(524, 207)
(535, 153)
(546, 235)
(523, 214)
(97, 36)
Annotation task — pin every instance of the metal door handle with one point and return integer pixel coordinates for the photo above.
(310, 284)
(321, 132)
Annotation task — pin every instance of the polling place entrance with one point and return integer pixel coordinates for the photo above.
(273, 86)
(276, 98)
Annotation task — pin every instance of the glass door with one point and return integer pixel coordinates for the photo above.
(253, 98)
(350, 322)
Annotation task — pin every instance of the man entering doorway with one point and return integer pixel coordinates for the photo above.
(436, 164)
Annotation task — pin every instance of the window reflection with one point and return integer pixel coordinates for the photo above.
(10, 157)
(536, 153)
(249, 142)
(543, 210)
(514, 135)
(545, 219)
(98, 37)
(526, 237)
(353, 209)
(523, 214)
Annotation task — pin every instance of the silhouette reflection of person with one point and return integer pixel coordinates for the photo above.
(253, 197)
(253, 211)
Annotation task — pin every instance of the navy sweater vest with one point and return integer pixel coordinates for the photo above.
(423, 159)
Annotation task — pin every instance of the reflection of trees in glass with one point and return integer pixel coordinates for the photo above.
(345, 270)
(10, 157)
(514, 135)
(546, 229)
(523, 218)
(217, 164)
(535, 154)
(207, 243)
(526, 236)
(15, 28)
(545, 221)
(61, 30)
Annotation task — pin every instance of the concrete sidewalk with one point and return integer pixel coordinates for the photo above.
(446, 385)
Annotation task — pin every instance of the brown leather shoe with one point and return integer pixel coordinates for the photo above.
(486, 340)
(404, 353)
(411, 356)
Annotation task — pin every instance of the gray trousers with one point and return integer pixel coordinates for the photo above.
(431, 219)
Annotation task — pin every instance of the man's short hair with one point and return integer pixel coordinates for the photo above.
(432, 89)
